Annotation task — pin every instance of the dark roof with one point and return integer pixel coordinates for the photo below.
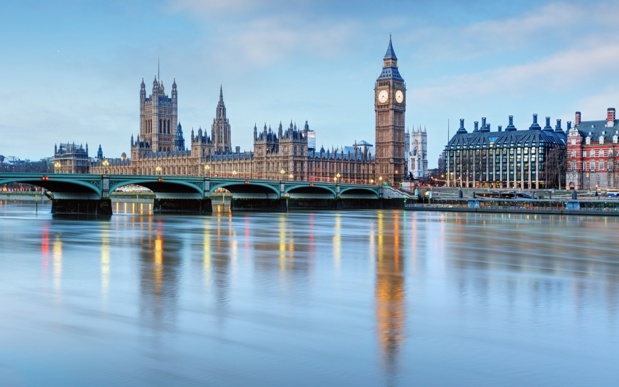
(390, 72)
(505, 139)
(390, 54)
(597, 128)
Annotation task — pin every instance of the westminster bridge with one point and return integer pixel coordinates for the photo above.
(90, 193)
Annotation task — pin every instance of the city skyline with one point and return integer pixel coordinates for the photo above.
(72, 72)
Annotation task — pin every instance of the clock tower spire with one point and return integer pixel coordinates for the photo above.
(390, 108)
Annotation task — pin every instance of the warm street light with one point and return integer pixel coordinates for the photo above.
(158, 170)
(207, 170)
(105, 163)
(234, 173)
(337, 177)
(371, 181)
(291, 176)
(380, 179)
(56, 166)
(282, 173)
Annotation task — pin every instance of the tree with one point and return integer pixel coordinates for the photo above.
(555, 167)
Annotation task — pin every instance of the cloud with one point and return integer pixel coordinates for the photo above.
(552, 26)
(557, 73)
(210, 8)
(267, 41)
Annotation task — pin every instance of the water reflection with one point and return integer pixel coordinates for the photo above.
(390, 295)
(310, 298)
(57, 259)
(159, 277)
(105, 262)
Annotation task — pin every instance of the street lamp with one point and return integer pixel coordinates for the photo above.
(337, 177)
(371, 181)
(282, 172)
(291, 176)
(56, 166)
(380, 180)
(234, 174)
(105, 163)
(207, 170)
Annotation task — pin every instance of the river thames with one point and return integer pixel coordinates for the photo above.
(358, 298)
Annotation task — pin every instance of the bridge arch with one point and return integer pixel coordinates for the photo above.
(315, 189)
(58, 183)
(156, 184)
(241, 187)
(360, 191)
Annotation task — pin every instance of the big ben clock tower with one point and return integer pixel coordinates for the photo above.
(390, 107)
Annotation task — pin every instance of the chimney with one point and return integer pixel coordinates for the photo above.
(577, 119)
(461, 128)
(610, 116)
(483, 122)
(476, 126)
(569, 125)
(500, 128)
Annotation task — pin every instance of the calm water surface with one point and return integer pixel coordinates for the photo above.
(366, 298)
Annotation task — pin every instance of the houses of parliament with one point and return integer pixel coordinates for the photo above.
(283, 153)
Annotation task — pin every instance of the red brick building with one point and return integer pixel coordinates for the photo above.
(592, 153)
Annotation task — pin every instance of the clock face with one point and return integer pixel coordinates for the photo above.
(399, 96)
(383, 96)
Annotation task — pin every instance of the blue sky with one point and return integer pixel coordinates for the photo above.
(70, 70)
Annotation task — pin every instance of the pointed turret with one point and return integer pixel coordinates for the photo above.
(390, 54)
(390, 64)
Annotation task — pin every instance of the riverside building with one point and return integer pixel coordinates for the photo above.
(285, 153)
(592, 153)
(509, 158)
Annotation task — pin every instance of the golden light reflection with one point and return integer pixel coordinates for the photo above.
(57, 259)
(158, 263)
(390, 294)
(337, 242)
(206, 257)
(234, 248)
(282, 244)
(105, 263)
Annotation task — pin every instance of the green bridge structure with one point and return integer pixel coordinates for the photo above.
(90, 194)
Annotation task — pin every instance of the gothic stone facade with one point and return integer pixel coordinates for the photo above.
(160, 149)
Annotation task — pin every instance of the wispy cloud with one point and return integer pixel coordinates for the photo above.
(550, 27)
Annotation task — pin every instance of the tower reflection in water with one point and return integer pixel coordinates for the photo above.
(389, 294)
(159, 276)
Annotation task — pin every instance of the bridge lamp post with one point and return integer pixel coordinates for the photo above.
(380, 180)
(207, 170)
(57, 166)
(337, 177)
(371, 181)
(105, 164)
(282, 172)
(234, 174)
(291, 176)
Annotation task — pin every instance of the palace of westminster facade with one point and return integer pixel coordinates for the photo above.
(285, 153)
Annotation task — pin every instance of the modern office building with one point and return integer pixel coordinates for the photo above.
(507, 158)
